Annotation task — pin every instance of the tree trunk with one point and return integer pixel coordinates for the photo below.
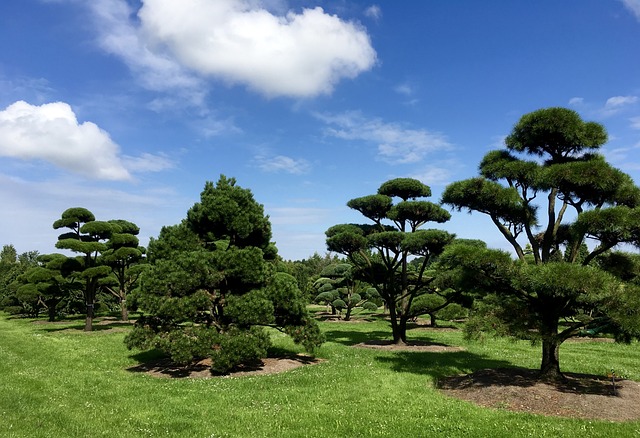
(88, 322)
(433, 320)
(347, 316)
(398, 328)
(550, 366)
(123, 310)
(52, 312)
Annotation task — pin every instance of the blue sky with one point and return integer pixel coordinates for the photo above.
(127, 107)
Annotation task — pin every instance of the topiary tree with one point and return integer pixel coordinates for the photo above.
(211, 286)
(49, 284)
(124, 256)
(553, 280)
(339, 289)
(12, 266)
(86, 238)
(381, 252)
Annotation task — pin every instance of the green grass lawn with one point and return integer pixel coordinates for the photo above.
(59, 382)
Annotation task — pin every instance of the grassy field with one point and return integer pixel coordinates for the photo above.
(57, 381)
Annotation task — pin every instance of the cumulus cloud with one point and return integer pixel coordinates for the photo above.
(51, 132)
(283, 163)
(156, 69)
(396, 143)
(633, 6)
(297, 54)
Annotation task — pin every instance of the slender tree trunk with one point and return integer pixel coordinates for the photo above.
(398, 329)
(434, 322)
(347, 315)
(52, 312)
(88, 322)
(123, 310)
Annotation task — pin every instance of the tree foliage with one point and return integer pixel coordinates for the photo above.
(211, 286)
(563, 196)
(381, 252)
(339, 289)
(124, 256)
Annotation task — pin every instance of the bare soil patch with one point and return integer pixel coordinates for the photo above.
(580, 396)
(201, 370)
(409, 346)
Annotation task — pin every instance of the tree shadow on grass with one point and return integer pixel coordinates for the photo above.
(352, 337)
(102, 324)
(440, 364)
(155, 362)
(573, 383)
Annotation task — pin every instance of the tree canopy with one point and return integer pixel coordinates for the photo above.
(550, 190)
(380, 252)
(211, 287)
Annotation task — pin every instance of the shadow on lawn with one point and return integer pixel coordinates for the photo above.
(99, 324)
(439, 364)
(352, 337)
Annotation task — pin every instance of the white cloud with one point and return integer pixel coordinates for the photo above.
(616, 104)
(624, 158)
(51, 132)
(283, 163)
(155, 69)
(374, 12)
(619, 101)
(297, 54)
(576, 101)
(635, 122)
(147, 163)
(633, 6)
(396, 143)
(434, 175)
(404, 89)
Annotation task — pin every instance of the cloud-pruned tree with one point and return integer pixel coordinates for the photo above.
(381, 251)
(338, 288)
(86, 237)
(123, 255)
(549, 190)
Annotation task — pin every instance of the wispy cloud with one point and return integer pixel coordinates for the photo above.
(438, 174)
(624, 157)
(282, 163)
(374, 12)
(404, 89)
(633, 6)
(396, 143)
(617, 104)
(35, 205)
(576, 101)
(408, 91)
(51, 132)
(635, 122)
(612, 106)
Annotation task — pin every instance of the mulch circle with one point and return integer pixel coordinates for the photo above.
(579, 396)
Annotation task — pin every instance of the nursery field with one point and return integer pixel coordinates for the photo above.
(58, 381)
